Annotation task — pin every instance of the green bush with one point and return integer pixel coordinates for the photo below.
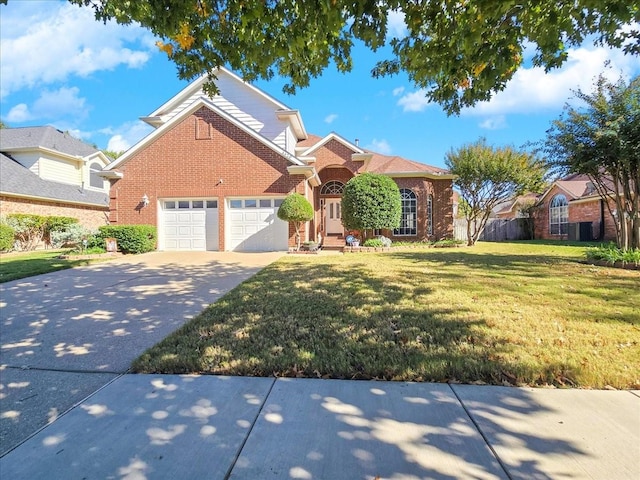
(73, 234)
(611, 254)
(295, 209)
(59, 224)
(371, 201)
(373, 242)
(29, 229)
(7, 237)
(131, 238)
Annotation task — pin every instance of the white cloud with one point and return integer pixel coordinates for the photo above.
(18, 114)
(398, 91)
(126, 135)
(396, 26)
(531, 89)
(46, 42)
(330, 118)
(52, 104)
(414, 101)
(494, 123)
(380, 146)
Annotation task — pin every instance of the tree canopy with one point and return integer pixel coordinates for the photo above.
(487, 176)
(371, 201)
(460, 52)
(600, 138)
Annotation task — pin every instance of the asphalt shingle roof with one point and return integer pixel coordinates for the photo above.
(19, 180)
(47, 137)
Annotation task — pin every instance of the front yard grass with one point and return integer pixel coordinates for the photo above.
(14, 266)
(499, 313)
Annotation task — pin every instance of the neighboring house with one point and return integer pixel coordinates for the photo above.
(572, 209)
(214, 171)
(513, 208)
(47, 172)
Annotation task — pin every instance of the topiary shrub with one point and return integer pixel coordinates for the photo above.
(7, 237)
(295, 209)
(371, 201)
(131, 238)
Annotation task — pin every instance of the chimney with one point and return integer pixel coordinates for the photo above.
(357, 142)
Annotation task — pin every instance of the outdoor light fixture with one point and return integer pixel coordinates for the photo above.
(145, 200)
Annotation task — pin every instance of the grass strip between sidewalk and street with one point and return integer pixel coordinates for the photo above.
(498, 313)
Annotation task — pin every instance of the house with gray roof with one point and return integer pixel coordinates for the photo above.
(46, 171)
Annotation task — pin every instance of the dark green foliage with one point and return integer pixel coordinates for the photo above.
(612, 254)
(295, 209)
(59, 224)
(373, 242)
(131, 238)
(459, 52)
(7, 237)
(371, 201)
(601, 139)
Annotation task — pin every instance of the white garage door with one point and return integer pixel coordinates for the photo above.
(254, 225)
(189, 224)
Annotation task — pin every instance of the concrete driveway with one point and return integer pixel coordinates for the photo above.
(66, 334)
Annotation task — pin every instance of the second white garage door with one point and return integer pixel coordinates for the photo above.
(254, 226)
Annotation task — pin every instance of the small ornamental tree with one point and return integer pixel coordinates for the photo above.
(371, 201)
(295, 209)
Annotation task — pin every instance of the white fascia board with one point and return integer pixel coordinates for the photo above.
(361, 157)
(332, 136)
(155, 122)
(53, 200)
(98, 155)
(307, 160)
(308, 171)
(111, 174)
(295, 120)
(185, 113)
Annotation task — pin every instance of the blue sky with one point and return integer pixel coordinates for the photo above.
(60, 67)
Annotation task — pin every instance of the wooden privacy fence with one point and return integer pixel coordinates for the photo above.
(496, 230)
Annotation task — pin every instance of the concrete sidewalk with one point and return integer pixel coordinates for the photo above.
(167, 427)
(67, 333)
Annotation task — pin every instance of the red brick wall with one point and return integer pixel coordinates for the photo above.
(179, 165)
(90, 217)
(335, 153)
(581, 211)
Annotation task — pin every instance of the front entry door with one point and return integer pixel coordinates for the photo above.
(333, 216)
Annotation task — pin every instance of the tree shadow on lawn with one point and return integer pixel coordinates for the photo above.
(326, 321)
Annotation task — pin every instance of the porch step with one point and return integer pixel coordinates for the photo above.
(333, 242)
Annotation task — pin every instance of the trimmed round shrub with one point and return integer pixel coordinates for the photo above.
(295, 209)
(7, 237)
(373, 242)
(371, 201)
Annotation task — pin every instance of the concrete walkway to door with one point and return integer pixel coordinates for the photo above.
(68, 333)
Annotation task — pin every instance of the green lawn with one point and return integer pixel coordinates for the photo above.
(516, 313)
(14, 266)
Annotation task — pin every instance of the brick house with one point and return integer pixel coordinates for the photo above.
(572, 209)
(45, 171)
(214, 171)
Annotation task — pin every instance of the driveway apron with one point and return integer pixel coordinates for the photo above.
(68, 333)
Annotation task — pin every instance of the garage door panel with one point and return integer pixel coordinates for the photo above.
(190, 228)
(257, 228)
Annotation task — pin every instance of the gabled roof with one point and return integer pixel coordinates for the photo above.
(195, 106)
(576, 186)
(17, 180)
(50, 138)
(323, 141)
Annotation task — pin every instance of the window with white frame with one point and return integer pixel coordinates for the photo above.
(559, 215)
(408, 220)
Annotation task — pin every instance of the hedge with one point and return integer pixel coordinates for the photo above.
(7, 237)
(131, 238)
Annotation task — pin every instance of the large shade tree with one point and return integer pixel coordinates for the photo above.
(600, 138)
(487, 176)
(371, 201)
(460, 51)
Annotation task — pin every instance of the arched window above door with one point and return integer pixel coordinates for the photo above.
(333, 187)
